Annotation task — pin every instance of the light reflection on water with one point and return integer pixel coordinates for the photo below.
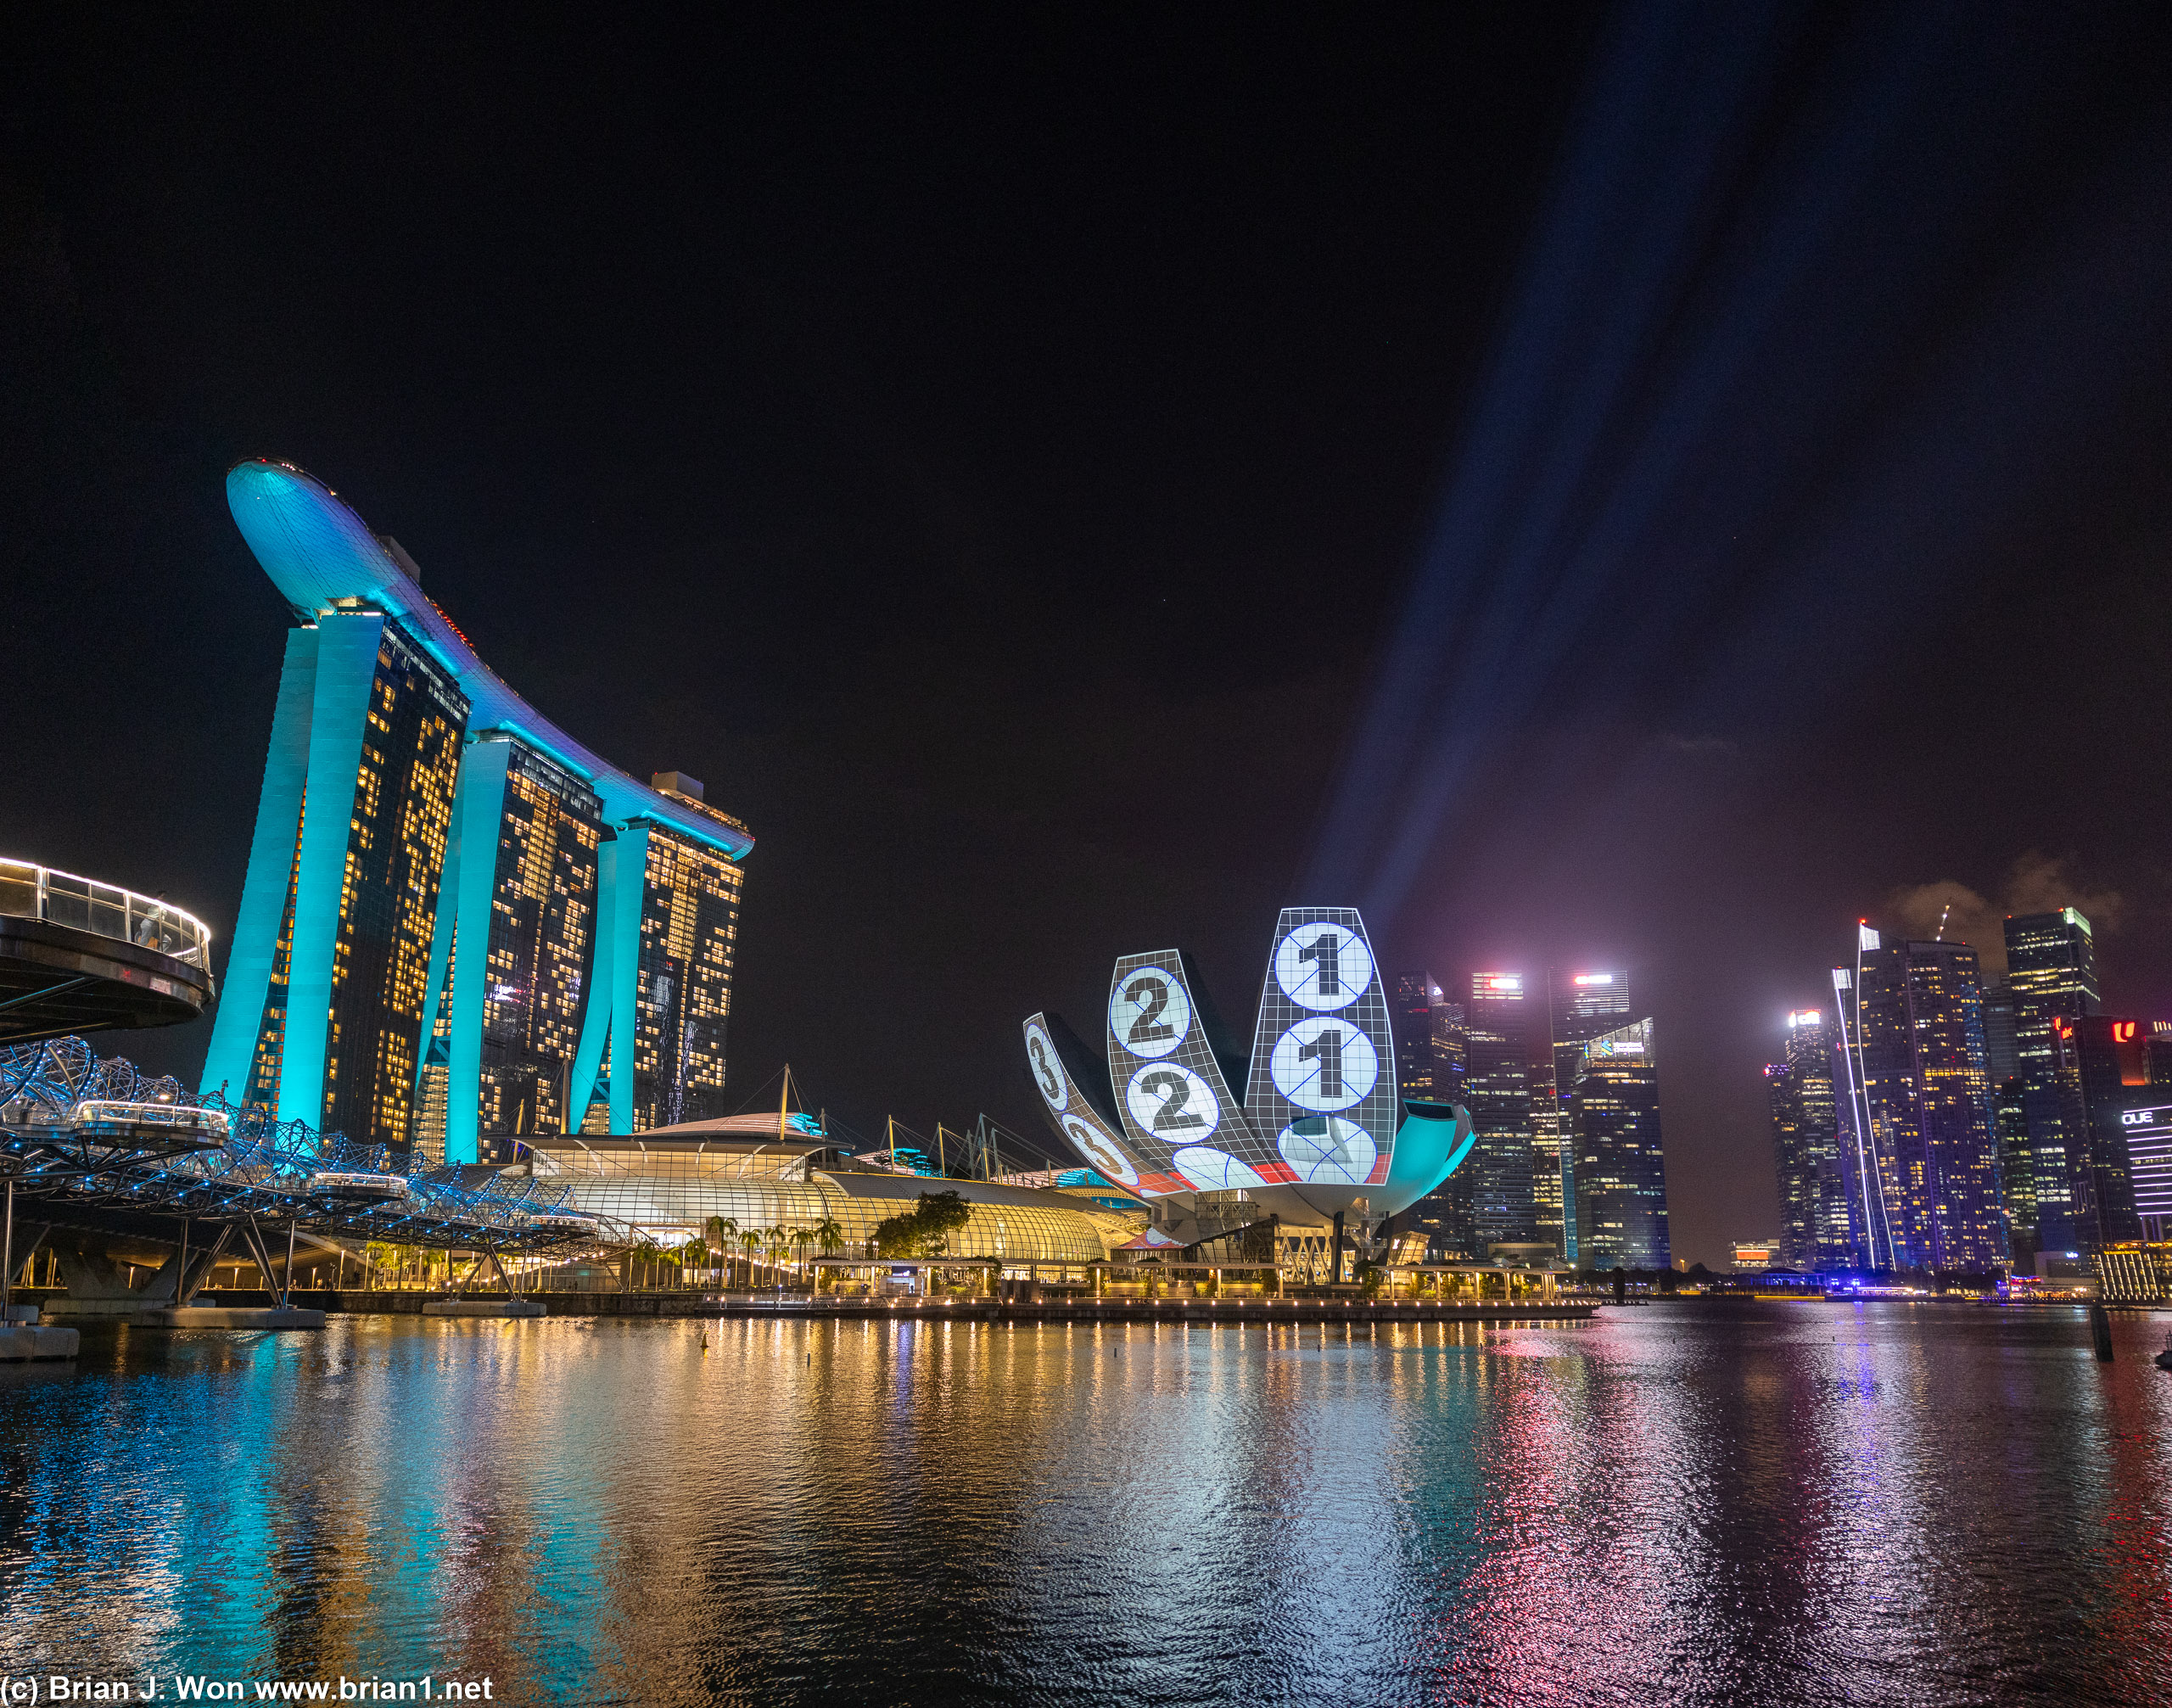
(1893, 1504)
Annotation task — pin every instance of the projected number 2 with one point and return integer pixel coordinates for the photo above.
(1175, 1092)
(1150, 996)
(1148, 1013)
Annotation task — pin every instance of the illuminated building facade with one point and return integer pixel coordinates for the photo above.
(535, 828)
(1581, 1005)
(2052, 977)
(1620, 1160)
(338, 924)
(1814, 1222)
(487, 908)
(1916, 1032)
(1500, 1024)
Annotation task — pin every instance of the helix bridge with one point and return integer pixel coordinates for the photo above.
(90, 1142)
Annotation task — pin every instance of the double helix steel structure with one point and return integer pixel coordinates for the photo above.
(94, 1142)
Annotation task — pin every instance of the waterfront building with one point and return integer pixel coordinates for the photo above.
(490, 929)
(1814, 1222)
(1620, 1160)
(2052, 977)
(1920, 1108)
(1500, 1021)
(1581, 1005)
(1754, 1256)
(1431, 1061)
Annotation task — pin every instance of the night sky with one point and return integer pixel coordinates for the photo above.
(1641, 487)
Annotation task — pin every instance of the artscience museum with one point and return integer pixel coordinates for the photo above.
(1306, 1129)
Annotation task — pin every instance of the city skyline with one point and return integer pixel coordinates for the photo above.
(1026, 546)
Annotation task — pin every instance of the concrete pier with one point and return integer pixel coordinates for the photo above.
(140, 1315)
(24, 1342)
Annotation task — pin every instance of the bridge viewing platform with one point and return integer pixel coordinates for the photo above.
(77, 955)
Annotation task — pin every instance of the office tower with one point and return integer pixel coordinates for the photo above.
(2101, 1059)
(1581, 1005)
(1620, 1164)
(1499, 1025)
(2016, 1171)
(1814, 1223)
(1914, 1015)
(2052, 976)
(1429, 1046)
(431, 883)
(1431, 1051)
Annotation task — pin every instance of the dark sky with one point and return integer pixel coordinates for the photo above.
(1645, 487)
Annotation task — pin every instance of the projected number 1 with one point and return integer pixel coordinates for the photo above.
(1322, 965)
(1324, 1064)
(1327, 1051)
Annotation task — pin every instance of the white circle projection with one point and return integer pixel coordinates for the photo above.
(1215, 1171)
(1324, 1064)
(1098, 1151)
(1048, 1074)
(1342, 1153)
(1148, 1013)
(1322, 966)
(1173, 1103)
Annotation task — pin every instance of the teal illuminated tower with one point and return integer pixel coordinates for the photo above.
(457, 922)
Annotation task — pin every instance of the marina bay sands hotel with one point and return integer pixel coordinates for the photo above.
(457, 922)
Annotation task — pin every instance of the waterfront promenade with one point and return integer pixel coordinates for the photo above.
(1109, 1309)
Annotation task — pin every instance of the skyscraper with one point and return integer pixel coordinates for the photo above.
(454, 949)
(1913, 1023)
(2052, 976)
(1620, 1164)
(1814, 1223)
(1581, 1005)
(1499, 1025)
(1431, 1059)
(1430, 1045)
(2101, 1059)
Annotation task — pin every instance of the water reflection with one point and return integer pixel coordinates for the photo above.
(1897, 1504)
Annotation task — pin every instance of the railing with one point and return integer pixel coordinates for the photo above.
(60, 898)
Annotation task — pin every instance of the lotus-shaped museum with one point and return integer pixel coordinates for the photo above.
(1310, 1124)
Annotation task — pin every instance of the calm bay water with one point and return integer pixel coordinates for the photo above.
(1918, 1504)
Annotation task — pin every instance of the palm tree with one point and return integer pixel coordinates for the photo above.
(750, 1242)
(803, 1238)
(775, 1234)
(720, 1231)
(829, 1235)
